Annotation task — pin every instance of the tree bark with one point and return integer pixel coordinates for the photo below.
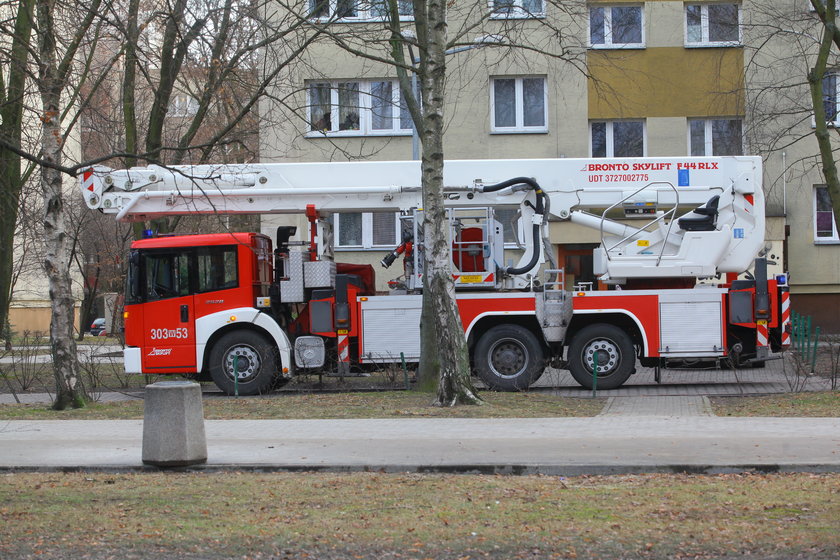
(827, 14)
(443, 345)
(11, 119)
(129, 82)
(51, 82)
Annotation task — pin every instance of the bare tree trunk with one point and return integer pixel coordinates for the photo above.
(11, 119)
(129, 82)
(442, 336)
(69, 392)
(827, 13)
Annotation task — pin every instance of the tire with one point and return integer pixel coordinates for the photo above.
(255, 358)
(509, 358)
(616, 356)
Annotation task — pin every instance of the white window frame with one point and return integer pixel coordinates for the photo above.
(367, 233)
(365, 109)
(610, 138)
(708, 136)
(836, 94)
(182, 105)
(608, 42)
(704, 26)
(363, 13)
(519, 127)
(518, 11)
(835, 238)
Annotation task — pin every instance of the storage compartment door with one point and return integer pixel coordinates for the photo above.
(390, 325)
(690, 329)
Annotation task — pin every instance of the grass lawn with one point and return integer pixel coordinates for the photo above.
(822, 404)
(382, 404)
(369, 515)
(390, 404)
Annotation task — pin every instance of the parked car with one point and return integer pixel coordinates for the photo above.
(97, 328)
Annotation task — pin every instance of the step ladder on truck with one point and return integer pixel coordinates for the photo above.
(249, 312)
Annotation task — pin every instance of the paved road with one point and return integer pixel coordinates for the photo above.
(778, 376)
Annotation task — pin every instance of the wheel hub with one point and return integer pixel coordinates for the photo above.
(244, 361)
(607, 354)
(508, 358)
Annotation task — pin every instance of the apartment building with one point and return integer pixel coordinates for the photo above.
(616, 79)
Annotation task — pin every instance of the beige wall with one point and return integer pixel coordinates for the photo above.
(34, 319)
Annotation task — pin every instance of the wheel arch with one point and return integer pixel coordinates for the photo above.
(487, 321)
(211, 328)
(624, 320)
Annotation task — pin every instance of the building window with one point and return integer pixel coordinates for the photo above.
(357, 10)
(366, 230)
(616, 27)
(825, 228)
(830, 83)
(182, 105)
(517, 8)
(518, 105)
(712, 25)
(715, 137)
(361, 108)
(617, 138)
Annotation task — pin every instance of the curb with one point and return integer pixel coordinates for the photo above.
(502, 470)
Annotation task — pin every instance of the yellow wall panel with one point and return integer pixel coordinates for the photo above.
(665, 82)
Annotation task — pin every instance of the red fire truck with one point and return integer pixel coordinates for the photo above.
(249, 312)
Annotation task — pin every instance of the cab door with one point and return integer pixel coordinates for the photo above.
(168, 312)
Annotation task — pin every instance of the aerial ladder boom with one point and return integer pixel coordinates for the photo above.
(723, 233)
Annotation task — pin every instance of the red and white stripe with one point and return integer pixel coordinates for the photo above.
(786, 325)
(87, 180)
(343, 348)
(761, 334)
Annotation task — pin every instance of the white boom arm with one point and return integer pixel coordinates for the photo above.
(654, 187)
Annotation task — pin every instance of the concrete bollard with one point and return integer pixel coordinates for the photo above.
(173, 425)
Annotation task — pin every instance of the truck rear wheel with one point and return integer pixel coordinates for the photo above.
(509, 358)
(613, 349)
(251, 356)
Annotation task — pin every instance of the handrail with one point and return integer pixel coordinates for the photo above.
(659, 218)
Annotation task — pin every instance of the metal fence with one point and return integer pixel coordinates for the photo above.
(805, 339)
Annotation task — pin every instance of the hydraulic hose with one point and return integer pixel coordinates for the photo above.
(539, 209)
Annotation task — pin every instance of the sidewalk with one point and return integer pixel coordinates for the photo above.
(604, 444)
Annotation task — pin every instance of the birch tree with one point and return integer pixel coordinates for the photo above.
(444, 357)
(55, 66)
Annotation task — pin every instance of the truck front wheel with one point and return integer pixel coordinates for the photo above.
(248, 356)
(509, 358)
(613, 350)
